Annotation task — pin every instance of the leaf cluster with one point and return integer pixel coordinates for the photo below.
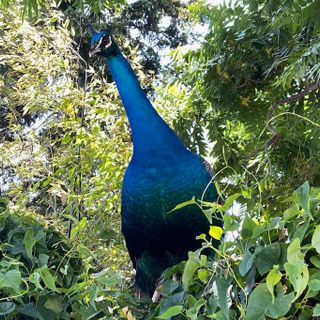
(266, 267)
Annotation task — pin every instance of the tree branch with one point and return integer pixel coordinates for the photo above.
(276, 136)
(280, 102)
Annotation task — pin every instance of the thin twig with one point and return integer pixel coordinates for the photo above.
(276, 136)
(280, 102)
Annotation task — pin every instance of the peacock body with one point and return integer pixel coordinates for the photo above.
(161, 174)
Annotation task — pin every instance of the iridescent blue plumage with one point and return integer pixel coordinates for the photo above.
(162, 173)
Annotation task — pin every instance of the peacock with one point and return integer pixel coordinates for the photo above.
(162, 174)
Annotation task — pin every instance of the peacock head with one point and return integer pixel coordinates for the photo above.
(103, 44)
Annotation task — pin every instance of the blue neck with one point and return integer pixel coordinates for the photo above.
(151, 135)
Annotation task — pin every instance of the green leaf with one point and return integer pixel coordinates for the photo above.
(259, 300)
(216, 232)
(80, 226)
(86, 252)
(273, 277)
(54, 303)
(247, 262)
(316, 310)
(66, 139)
(315, 261)
(203, 275)
(301, 230)
(43, 259)
(294, 254)
(192, 313)
(48, 279)
(230, 223)
(30, 310)
(248, 226)
(314, 284)
(298, 274)
(35, 279)
(11, 279)
(223, 286)
(29, 242)
(291, 213)
(184, 204)
(172, 311)
(190, 268)
(303, 197)
(315, 241)
(229, 201)
(281, 305)
(273, 254)
(208, 214)
(6, 307)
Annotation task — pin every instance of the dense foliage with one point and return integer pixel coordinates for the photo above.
(246, 96)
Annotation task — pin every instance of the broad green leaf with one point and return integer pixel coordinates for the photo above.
(315, 241)
(316, 310)
(216, 232)
(30, 310)
(315, 261)
(29, 242)
(314, 284)
(54, 303)
(273, 254)
(303, 197)
(281, 305)
(203, 260)
(190, 268)
(43, 260)
(273, 277)
(6, 307)
(246, 263)
(184, 204)
(301, 230)
(291, 213)
(298, 274)
(247, 228)
(294, 254)
(172, 311)
(203, 275)
(192, 313)
(259, 300)
(223, 286)
(48, 279)
(12, 279)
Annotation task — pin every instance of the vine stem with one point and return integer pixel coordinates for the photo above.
(290, 99)
(276, 136)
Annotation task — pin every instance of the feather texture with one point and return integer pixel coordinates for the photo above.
(161, 174)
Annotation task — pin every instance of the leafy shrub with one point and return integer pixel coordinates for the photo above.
(43, 275)
(267, 267)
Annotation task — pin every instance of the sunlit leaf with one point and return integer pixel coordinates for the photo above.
(216, 232)
(273, 277)
(172, 311)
